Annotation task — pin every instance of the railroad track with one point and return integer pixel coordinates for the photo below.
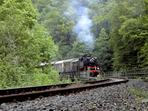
(22, 94)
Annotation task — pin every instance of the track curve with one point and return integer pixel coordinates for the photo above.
(22, 94)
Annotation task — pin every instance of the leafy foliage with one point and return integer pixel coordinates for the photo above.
(126, 25)
(78, 50)
(24, 44)
(57, 24)
(103, 51)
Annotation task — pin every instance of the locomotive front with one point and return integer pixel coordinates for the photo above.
(89, 66)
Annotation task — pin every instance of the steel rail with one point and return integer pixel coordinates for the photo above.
(58, 91)
(40, 88)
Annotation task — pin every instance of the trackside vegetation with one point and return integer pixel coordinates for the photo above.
(24, 44)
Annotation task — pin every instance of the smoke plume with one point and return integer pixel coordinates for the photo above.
(83, 25)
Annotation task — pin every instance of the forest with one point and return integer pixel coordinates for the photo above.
(36, 31)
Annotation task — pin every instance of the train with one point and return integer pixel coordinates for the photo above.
(84, 67)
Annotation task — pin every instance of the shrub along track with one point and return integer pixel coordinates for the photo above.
(22, 94)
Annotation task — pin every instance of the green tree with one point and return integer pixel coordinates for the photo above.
(103, 51)
(126, 24)
(144, 50)
(16, 20)
(133, 38)
(58, 25)
(23, 44)
(78, 49)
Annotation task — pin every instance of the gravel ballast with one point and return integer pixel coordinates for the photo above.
(112, 98)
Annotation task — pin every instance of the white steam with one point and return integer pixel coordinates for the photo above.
(83, 22)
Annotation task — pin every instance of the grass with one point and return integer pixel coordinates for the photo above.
(140, 94)
(145, 79)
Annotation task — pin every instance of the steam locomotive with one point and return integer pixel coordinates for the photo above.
(83, 67)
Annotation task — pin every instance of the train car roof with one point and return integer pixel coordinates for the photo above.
(67, 60)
